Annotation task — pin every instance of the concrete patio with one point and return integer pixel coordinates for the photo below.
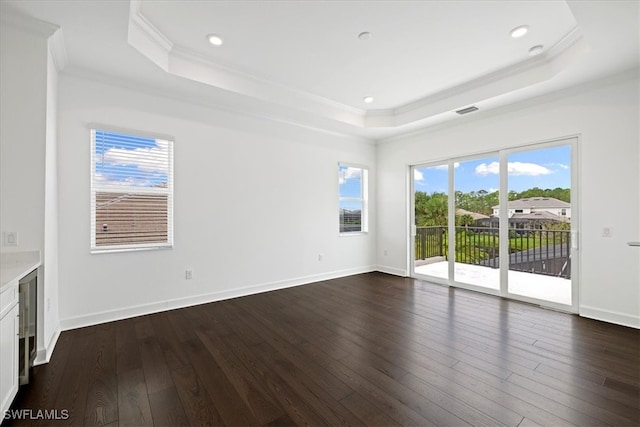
(539, 286)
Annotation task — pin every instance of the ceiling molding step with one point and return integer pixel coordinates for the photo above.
(532, 71)
(151, 43)
(184, 64)
(146, 38)
(188, 55)
(180, 62)
(196, 67)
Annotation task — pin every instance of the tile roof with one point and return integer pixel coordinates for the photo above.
(536, 203)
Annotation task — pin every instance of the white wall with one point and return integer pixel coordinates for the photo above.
(28, 126)
(256, 202)
(23, 85)
(606, 115)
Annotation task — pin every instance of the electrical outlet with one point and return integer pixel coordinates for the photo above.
(320, 257)
(606, 232)
(188, 274)
(386, 252)
(10, 238)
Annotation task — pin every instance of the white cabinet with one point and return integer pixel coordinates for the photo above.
(9, 323)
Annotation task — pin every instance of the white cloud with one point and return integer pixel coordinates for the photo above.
(559, 165)
(153, 159)
(446, 167)
(417, 175)
(514, 168)
(486, 169)
(100, 179)
(349, 173)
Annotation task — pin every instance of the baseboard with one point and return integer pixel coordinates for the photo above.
(44, 354)
(143, 309)
(391, 270)
(610, 316)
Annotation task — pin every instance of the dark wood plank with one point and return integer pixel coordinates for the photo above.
(102, 394)
(292, 354)
(127, 352)
(369, 349)
(133, 401)
(73, 396)
(244, 379)
(197, 404)
(157, 375)
(226, 400)
(167, 409)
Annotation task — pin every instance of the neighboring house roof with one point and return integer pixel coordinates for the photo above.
(540, 216)
(475, 215)
(536, 203)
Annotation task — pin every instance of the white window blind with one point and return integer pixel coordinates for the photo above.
(353, 183)
(131, 191)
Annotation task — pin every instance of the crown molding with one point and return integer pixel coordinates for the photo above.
(249, 110)
(146, 38)
(150, 42)
(517, 76)
(58, 50)
(15, 19)
(51, 32)
(141, 21)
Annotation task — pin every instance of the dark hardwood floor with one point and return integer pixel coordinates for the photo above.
(370, 349)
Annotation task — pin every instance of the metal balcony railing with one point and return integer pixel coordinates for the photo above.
(530, 250)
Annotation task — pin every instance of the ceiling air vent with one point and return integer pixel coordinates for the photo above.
(467, 110)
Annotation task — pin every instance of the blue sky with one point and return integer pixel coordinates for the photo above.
(350, 180)
(125, 160)
(544, 168)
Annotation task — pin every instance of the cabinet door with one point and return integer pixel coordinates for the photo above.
(8, 358)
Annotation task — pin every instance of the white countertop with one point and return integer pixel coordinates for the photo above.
(15, 265)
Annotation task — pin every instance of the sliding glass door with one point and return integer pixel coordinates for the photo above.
(540, 222)
(503, 223)
(477, 235)
(431, 229)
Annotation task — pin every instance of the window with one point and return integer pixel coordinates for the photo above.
(131, 192)
(353, 189)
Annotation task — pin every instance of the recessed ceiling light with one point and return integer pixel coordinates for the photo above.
(365, 35)
(536, 50)
(368, 99)
(519, 31)
(215, 39)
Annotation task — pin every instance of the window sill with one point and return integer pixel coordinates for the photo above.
(129, 249)
(353, 233)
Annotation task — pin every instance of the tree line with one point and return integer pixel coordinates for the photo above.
(431, 209)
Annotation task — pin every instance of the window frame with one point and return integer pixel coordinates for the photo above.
(363, 199)
(95, 188)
